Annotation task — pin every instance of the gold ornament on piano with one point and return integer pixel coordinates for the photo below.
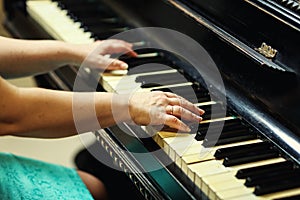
(266, 50)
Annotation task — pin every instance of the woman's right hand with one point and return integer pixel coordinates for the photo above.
(156, 108)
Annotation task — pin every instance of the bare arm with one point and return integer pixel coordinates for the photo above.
(37, 112)
(30, 57)
(42, 113)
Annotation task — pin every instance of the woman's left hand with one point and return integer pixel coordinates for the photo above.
(97, 55)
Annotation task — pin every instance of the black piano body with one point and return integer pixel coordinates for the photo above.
(254, 44)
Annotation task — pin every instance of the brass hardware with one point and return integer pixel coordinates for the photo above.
(266, 50)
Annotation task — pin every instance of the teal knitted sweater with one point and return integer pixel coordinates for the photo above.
(23, 178)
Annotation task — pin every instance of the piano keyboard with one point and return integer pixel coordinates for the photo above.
(57, 23)
(241, 165)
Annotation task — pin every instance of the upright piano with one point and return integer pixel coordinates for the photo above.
(254, 45)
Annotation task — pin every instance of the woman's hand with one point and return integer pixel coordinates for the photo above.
(156, 108)
(97, 55)
(31, 57)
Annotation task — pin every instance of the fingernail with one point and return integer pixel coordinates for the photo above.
(124, 66)
(135, 54)
(202, 111)
(188, 129)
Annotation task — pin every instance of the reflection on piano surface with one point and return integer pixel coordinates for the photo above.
(257, 155)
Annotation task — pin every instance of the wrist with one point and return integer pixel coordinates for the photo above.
(121, 108)
(73, 54)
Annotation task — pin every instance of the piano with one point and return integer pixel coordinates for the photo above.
(251, 128)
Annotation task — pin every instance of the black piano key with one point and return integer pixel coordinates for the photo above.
(144, 53)
(75, 2)
(207, 108)
(195, 93)
(110, 20)
(84, 14)
(86, 7)
(85, 18)
(223, 152)
(199, 136)
(147, 50)
(92, 6)
(72, 2)
(189, 92)
(232, 126)
(101, 29)
(218, 110)
(101, 26)
(295, 197)
(250, 157)
(203, 98)
(189, 89)
(107, 33)
(147, 68)
(244, 173)
(284, 184)
(229, 133)
(233, 133)
(153, 58)
(207, 116)
(90, 9)
(63, 4)
(160, 79)
(228, 126)
(222, 141)
(270, 177)
(215, 131)
(91, 20)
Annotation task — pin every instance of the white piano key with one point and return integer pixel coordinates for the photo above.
(188, 157)
(276, 195)
(56, 22)
(211, 180)
(177, 149)
(159, 137)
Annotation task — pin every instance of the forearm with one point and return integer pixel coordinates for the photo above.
(40, 113)
(29, 57)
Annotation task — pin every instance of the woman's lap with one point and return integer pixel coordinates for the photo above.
(25, 178)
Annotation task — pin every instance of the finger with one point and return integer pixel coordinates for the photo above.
(174, 122)
(191, 107)
(124, 50)
(170, 94)
(129, 51)
(132, 53)
(114, 64)
(180, 101)
(169, 110)
(121, 46)
(185, 114)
